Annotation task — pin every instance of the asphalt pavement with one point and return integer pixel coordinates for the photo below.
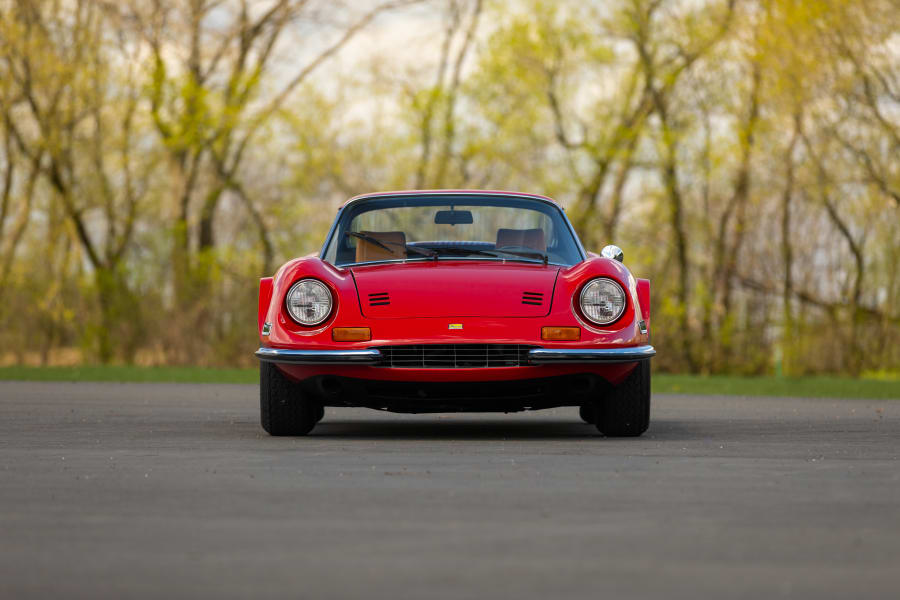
(171, 491)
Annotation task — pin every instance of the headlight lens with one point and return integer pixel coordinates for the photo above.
(309, 302)
(602, 301)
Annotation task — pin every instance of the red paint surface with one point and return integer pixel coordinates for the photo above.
(265, 296)
(449, 288)
(450, 292)
(643, 289)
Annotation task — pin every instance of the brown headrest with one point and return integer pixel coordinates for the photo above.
(367, 251)
(528, 238)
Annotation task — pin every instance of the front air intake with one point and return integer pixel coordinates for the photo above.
(454, 356)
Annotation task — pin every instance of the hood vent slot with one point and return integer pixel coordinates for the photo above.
(533, 298)
(379, 299)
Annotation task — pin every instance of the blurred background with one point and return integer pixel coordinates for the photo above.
(158, 157)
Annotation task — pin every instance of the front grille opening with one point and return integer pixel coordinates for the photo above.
(455, 356)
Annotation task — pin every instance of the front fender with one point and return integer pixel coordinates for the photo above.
(643, 290)
(284, 331)
(570, 282)
(265, 298)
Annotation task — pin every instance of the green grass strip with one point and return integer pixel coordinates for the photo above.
(807, 387)
(812, 387)
(122, 373)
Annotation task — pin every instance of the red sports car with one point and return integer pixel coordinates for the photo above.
(440, 301)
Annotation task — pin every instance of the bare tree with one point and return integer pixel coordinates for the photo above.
(206, 98)
(60, 121)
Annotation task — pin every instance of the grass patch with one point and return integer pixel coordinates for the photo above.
(808, 387)
(123, 373)
(812, 387)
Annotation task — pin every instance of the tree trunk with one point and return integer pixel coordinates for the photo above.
(787, 254)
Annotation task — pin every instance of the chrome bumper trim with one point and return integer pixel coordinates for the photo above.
(319, 357)
(543, 356)
(536, 356)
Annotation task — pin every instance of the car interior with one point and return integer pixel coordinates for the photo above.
(367, 251)
(395, 242)
(532, 239)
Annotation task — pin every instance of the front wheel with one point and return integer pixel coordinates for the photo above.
(625, 411)
(283, 407)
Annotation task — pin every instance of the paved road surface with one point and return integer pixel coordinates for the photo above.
(166, 491)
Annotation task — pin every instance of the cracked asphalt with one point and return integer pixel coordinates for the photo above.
(169, 490)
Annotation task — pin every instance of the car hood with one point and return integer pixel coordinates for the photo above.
(455, 289)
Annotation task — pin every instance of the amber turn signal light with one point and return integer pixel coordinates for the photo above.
(351, 334)
(561, 333)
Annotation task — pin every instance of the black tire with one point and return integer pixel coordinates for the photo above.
(320, 412)
(625, 411)
(282, 407)
(588, 413)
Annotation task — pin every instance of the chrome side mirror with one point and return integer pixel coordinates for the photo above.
(613, 252)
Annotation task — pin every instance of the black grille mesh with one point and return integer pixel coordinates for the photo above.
(455, 356)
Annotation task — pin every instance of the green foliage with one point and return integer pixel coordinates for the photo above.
(157, 159)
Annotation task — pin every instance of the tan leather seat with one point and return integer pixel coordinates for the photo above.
(368, 252)
(527, 238)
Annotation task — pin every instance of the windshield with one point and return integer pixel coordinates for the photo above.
(445, 227)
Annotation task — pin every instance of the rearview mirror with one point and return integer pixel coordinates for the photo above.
(453, 217)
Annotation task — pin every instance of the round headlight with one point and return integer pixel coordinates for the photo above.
(602, 301)
(308, 302)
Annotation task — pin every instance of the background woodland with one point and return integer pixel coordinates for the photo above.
(158, 157)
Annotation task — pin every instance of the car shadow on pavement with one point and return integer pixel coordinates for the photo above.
(461, 429)
(506, 428)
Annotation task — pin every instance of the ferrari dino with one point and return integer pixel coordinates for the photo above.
(447, 301)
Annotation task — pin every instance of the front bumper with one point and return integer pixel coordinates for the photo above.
(557, 356)
(368, 356)
(536, 356)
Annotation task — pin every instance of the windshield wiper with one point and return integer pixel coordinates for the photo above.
(525, 253)
(499, 253)
(424, 251)
(370, 239)
(373, 240)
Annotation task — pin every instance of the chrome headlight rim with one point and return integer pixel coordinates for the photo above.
(316, 282)
(584, 290)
